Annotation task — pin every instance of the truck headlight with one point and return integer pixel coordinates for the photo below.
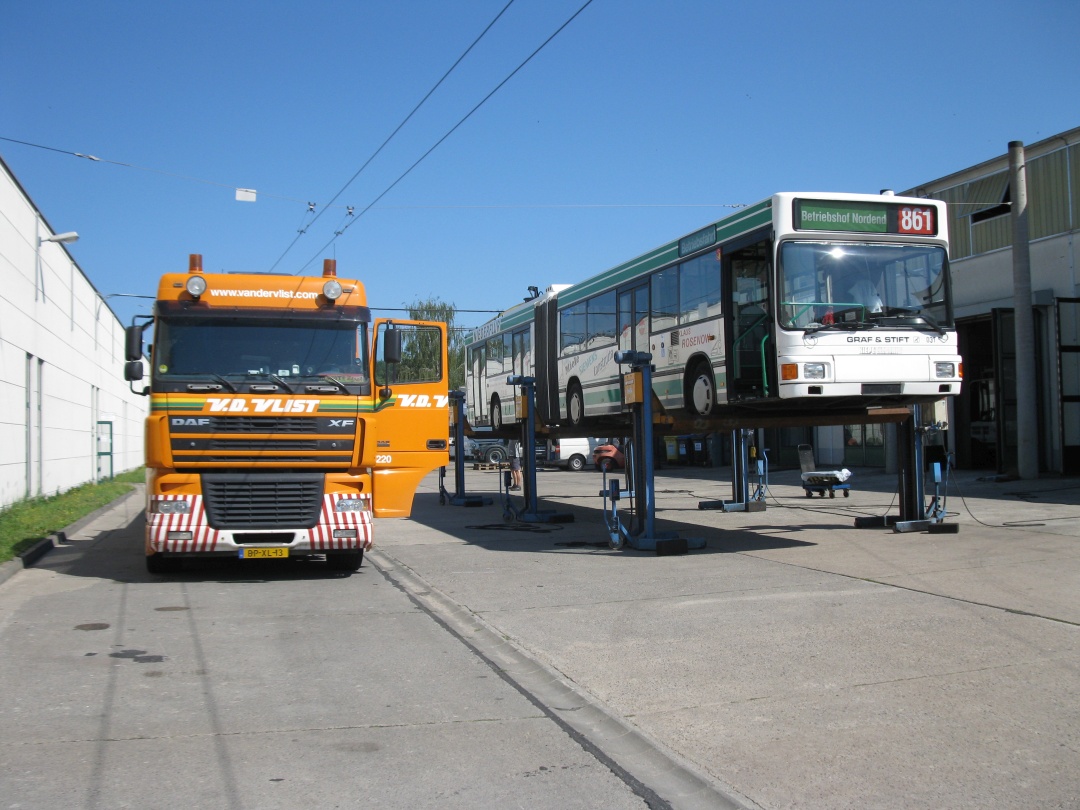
(195, 285)
(814, 371)
(171, 507)
(945, 370)
(349, 505)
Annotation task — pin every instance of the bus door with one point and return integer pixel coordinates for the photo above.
(633, 322)
(751, 367)
(476, 395)
(521, 363)
(634, 319)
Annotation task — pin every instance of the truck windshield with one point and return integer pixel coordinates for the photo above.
(855, 285)
(239, 348)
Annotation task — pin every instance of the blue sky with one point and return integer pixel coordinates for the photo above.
(640, 122)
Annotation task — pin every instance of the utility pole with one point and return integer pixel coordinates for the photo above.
(1027, 446)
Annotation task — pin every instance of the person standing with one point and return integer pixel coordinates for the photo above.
(515, 463)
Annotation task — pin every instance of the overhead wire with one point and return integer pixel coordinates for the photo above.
(95, 159)
(391, 136)
(450, 132)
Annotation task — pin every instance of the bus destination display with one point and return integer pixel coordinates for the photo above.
(860, 217)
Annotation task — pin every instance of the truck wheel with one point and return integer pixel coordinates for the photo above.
(576, 463)
(345, 560)
(160, 564)
(496, 455)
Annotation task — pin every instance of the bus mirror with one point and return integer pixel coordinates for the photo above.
(133, 370)
(133, 345)
(392, 345)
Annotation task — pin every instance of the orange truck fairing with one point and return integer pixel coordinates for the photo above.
(283, 418)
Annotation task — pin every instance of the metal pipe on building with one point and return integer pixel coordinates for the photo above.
(1027, 448)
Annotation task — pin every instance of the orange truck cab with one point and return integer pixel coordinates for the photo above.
(283, 418)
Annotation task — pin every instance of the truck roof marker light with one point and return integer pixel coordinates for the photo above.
(196, 284)
(332, 288)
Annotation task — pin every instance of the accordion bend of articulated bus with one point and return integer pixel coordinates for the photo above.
(283, 418)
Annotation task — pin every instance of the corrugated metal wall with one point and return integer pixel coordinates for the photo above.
(1053, 182)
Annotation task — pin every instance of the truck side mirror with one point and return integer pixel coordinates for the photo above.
(133, 370)
(133, 345)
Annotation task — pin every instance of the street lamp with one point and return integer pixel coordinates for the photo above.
(65, 238)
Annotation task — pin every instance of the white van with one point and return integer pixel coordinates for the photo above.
(571, 454)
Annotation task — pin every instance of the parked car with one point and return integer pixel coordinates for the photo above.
(571, 454)
(608, 457)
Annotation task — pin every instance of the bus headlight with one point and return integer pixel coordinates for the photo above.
(945, 370)
(171, 507)
(814, 371)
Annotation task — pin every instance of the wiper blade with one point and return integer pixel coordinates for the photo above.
(224, 382)
(281, 382)
(844, 326)
(922, 316)
(338, 385)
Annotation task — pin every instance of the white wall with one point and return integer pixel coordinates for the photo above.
(61, 364)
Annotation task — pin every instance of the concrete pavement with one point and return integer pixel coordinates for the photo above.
(796, 661)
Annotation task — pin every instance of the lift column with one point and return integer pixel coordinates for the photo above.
(531, 512)
(642, 534)
(459, 498)
(914, 515)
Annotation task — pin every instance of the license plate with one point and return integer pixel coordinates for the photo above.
(263, 553)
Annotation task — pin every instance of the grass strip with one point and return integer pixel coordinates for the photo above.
(26, 522)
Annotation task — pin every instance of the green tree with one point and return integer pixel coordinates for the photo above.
(433, 309)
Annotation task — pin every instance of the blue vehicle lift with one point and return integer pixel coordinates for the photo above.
(915, 514)
(642, 534)
(459, 498)
(745, 501)
(529, 512)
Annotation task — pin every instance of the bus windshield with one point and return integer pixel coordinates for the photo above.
(856, 285)
(252, 348)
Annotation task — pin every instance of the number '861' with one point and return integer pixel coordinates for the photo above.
(916, 220)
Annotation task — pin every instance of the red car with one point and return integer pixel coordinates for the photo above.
(608, 457)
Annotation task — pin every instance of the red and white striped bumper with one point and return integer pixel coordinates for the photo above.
(191, 533)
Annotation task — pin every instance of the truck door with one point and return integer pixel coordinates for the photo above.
(410, 425)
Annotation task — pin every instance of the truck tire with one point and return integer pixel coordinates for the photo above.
(495, 455)
(576, 463)
(345, 560)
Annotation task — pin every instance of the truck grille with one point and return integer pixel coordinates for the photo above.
(249, 440)
(263, 424)
(262, 501)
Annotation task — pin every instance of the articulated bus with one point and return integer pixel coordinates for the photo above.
(798, 304)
